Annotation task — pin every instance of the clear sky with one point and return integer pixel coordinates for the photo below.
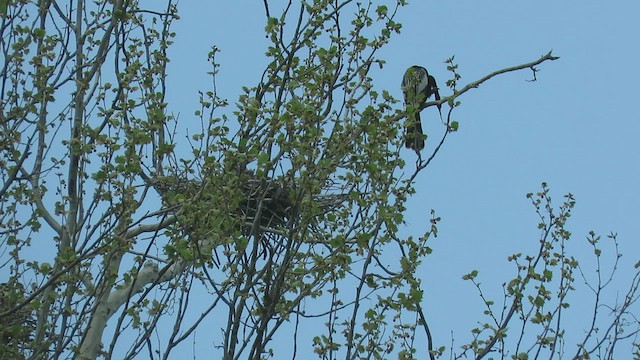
(576, 127)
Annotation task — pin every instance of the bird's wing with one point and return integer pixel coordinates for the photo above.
(434, 90)
(421, 80)
(414, 82)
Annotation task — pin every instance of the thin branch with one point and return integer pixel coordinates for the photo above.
(477, 83)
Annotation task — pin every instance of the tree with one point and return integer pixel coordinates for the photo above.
(277, 209)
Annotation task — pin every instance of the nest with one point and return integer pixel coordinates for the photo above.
(274, 202)
(270, 201)
(17, 325)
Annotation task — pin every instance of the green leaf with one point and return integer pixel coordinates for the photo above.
(470, 276)
(4, 4)
(382, 11)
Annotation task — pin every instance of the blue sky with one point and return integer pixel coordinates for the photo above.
(576, 127)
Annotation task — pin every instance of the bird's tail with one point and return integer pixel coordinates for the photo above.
(414, 139)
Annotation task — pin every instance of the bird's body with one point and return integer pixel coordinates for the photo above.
(417, 87)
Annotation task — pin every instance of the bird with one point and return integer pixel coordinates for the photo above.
(417, 86)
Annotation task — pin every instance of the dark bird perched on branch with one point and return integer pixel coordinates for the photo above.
(417, 87)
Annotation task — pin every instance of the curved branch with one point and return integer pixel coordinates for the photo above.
(423, 321)
(477, 83)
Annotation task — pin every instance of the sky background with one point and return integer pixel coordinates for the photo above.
(576, 127)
